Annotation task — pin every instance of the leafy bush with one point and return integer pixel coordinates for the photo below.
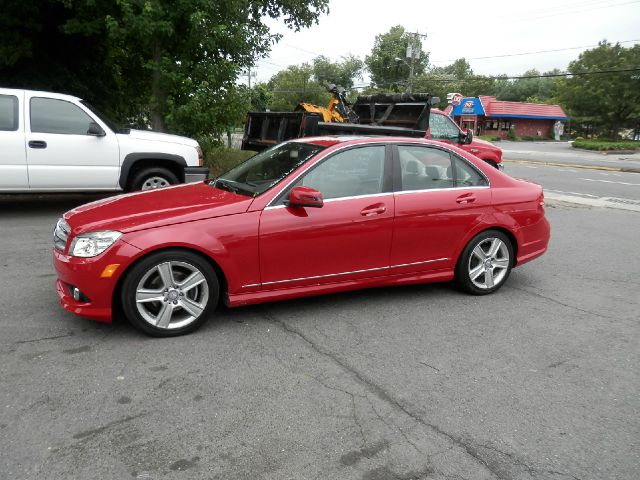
(490, 138)
(579, 138)
(511, 134)
(221, 159)
(602, 145)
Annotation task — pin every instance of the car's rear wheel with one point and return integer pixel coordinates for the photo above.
(170, 293)
(485, 263)
(152, 178)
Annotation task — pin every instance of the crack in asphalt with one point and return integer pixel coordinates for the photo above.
(70, 334)
(568, 305)
(383, 395)
(466, 445)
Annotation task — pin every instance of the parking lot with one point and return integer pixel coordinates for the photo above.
(538, 381)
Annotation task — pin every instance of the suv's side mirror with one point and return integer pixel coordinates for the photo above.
(466, 137)
(95, 130)
(304, 197)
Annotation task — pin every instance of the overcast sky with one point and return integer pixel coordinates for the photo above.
(467, 29)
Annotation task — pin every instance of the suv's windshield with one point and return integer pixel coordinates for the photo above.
(264, 170)
(102, 117)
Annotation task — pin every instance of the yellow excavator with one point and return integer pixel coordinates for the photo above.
(338, 111)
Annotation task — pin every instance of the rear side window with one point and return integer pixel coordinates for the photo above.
(49, 115)
(8, 113)
(466, 175)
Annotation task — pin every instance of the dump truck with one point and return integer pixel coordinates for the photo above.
(398, 115)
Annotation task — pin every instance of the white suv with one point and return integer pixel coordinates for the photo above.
(53, 143)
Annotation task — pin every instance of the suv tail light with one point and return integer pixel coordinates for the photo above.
(200, 155)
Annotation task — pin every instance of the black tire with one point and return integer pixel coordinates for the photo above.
(500, 265)
(147, 316)
(155, 177)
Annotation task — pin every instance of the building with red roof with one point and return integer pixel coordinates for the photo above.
(484, 115)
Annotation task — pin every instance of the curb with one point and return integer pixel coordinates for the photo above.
(603, 202)
(576, 165)
(607, 152)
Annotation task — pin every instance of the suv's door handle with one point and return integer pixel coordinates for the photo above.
(37, 144)
(376, 209)
(466, 198)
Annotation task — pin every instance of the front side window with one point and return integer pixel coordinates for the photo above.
(264, 170)
(8, 113)
(442, 127)
(49, 115)
(424, 168)
(354, 172)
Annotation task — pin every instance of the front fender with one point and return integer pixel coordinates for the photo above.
(236, 254)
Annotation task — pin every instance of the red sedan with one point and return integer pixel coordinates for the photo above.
(306, 217)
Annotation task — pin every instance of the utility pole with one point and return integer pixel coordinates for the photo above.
(413, 48)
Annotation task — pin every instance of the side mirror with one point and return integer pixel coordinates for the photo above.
(466, 137)
(304, 197)
(95, 130)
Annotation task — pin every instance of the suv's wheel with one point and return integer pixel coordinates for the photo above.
(493, 164)
(485, 263)
(152, 178)
(170, 293)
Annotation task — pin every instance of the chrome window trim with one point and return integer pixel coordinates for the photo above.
(426, 190)
(329, 275)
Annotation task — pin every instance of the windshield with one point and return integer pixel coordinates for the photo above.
(262, 171)
(101, 116)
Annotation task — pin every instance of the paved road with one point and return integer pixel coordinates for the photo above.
(574, 181)
(562, 152)
(539, 381)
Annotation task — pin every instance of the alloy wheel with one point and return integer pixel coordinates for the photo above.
(172, 295)
(488, 263)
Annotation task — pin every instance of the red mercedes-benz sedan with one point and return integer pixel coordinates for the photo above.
(305, 217)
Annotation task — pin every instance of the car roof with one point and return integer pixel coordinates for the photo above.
(331, 140)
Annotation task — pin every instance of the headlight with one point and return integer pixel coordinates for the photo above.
(93, 243)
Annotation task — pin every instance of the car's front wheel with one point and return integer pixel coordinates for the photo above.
(170, 293)
(485, 263)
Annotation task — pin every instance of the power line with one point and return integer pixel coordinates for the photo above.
(517, 77)
(530, 53)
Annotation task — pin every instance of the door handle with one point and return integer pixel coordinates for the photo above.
(37, 144)
(373, 210)
(466, 198)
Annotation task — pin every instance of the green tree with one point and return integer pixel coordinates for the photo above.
(260, 96)
(293, 85)
(457, 77)
(608, 101)
(342, 73)
(388, 62)
(527, 89)
(171, 64)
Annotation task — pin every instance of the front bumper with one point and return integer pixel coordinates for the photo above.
(85, 274)
(195, 174)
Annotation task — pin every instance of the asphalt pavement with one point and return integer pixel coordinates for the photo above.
(538, 381)
(564, 153)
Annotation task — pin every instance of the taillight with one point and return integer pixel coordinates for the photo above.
(200, 155)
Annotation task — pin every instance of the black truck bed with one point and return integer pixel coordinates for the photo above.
(404, 115)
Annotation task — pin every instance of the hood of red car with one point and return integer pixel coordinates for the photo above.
(154, 208)
(479, 142)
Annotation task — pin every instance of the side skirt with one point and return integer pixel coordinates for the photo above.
(251, 298)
